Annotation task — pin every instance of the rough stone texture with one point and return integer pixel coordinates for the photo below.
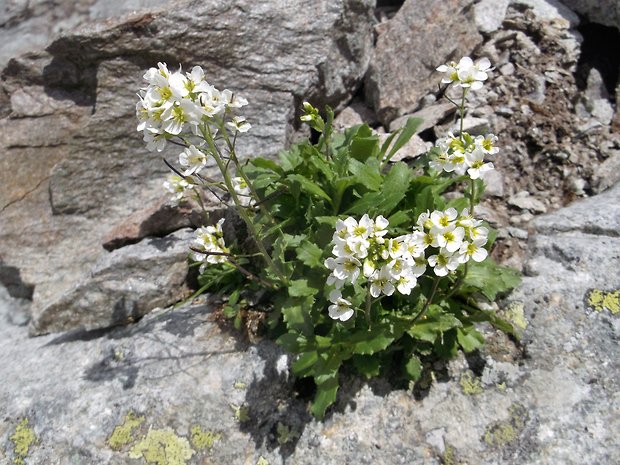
(430, 115)
(123, 285)
(489, 14)
(106, 396)
(403, 69)
(72, 165)
(606, 12)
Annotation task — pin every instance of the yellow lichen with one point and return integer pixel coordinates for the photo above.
(448, 457)
(240, 385)
(23, 438)
(515, 313)
(504, 432)
(241, 412)
(470, 384)
(262, 461)
(201, 439)
(600, 300)
(162, 447)
(123, 434)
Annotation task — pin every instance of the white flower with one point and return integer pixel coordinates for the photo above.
(193, 160)
(442, 219)
(209, 245)
(239, 123)
(472, 74)
(406, 282)
(154, 141)
(381, 282)
(487, 144)
(344, 268)
(178, 186)
(233, 100)
(477, 167)
(451, 72)
(450, 238)
(340, 308)
(474, 250)
(443, 262)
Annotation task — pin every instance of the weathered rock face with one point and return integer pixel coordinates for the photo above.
(131, 393)
(403, 68)
(605, 12)
(71, 157)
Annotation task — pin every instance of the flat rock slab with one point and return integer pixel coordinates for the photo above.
(124, 285)
(178, 381)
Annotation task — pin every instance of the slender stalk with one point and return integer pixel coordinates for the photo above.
(240, 208)
(368, 308)
(462, 114)
(428, 301)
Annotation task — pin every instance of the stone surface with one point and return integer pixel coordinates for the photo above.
(403, 69)
(126, 393)
(525, 201)
(489, 14)
(72, 165)
(124, 285)
(606, 12)
(431, 116)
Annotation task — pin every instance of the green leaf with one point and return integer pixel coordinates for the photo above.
(364, 148)
(367, 365)
(367, 173)
(491, 279)
(400, 217)
(431, 327)
(267, 165)
(293, 342)
(310, 254)
(469, 338)
(370, 342)
(413, 368)
(406, 133)
(308, 186)
(300, 288)
(325, 395)
(393, 191)
(304, 363)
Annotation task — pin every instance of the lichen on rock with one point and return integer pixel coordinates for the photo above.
(123, 433)
(600, 300)
(203, 439)
(23, 438)
(162, 447)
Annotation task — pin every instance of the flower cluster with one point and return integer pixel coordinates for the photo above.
(363, 252)
(175, 102)
(209, 247)
(178, 186)
(466, 73)
(465, 154)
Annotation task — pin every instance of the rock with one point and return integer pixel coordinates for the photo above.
(551, 10)
(356, 113)
(489, 14)
(606, 12)
(596, 215)
(13, 310)
(472, 125)
(132, 391)
(430, 115)
(494, 184)
(123, 286)
(403, 69)
(161, 218)
(607, 174)
(72, 165)
(525, 201)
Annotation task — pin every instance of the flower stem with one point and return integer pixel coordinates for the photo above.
(368, 308)
(428, 301)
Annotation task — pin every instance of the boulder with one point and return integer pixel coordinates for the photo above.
(72, 165)
(409, 49)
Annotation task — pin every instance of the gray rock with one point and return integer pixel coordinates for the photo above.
(430, 115)
(124, 285)
(403, 69)
(412, 149)
(525, 201)
(494, 183)
(606, 12)
(607, 174)
(489, 14)
(596, 215)
(551, 10)
(72, 165)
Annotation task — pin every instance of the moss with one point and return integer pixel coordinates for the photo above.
(449, 456)
(470, 384)
(502, 433)
(242, 412)
(600, 300)
(202, 440)
(285, 434)
(515, 313)
(162, 447)
(23, 438)
(124, 434)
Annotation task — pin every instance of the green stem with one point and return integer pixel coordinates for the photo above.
(462, 113)
(428, 301)
(368, 308)
(472, 197)
(240, 208)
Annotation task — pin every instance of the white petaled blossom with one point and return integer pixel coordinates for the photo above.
(209, 247)
(466, 73)
(193, 160)
(340, 309)
(178, 186)
(176, 103)
(464, 154)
